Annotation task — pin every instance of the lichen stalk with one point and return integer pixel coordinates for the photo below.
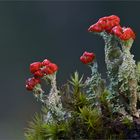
(128, 79)
(53, 102)
(38, 93)
(96, 86)
(138, 79)
(113, 59)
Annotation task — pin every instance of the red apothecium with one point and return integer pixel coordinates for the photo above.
(35, 67)
(46, 62)
(38, 74)
(87, 57)
(123, 33)
(127, 34)
(50, 68)
(105, 24)
(40, 69)
(31, 83)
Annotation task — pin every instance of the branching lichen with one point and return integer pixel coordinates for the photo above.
(138, 79)
(113, 59)
(53, 102)
(91, 109)
(128, 80)
(95, 86)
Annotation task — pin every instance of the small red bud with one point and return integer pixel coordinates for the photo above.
(123, 33)
(95, 28)
(46, 62)
(38, 74)
(53, 67)
(50, 68)
(31, 83)
(87, 57)
(35, 67)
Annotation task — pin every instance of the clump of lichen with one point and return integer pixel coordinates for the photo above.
(91, 108)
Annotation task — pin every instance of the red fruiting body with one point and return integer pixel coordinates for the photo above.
(35, 67)
(117, 30)
(31, 83)
(83, 60)
(105, 24)
(102, 24)
(50, 68)
(38, 69)
(123, 33)
(111, 21)
(127, 34)
(47, 71)
(46, 62)
(111, 25)
(53, 67)
(95, 28)
(38, 74)
(87, 57)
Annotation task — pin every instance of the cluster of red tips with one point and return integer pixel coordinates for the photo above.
(105, 24)
(87, 58)
(40, 69)
(31, 83)
(111, 24)
(123, 33)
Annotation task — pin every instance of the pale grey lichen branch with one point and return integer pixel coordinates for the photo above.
(138, 79)
(53, 102)
(128, 78)
(95, 85)
(113, 59)
(39, 93)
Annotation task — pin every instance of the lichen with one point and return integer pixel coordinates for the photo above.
(128, 80)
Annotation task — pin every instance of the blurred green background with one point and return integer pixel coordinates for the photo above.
(33, 31)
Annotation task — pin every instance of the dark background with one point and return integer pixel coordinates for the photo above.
(33, 31)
